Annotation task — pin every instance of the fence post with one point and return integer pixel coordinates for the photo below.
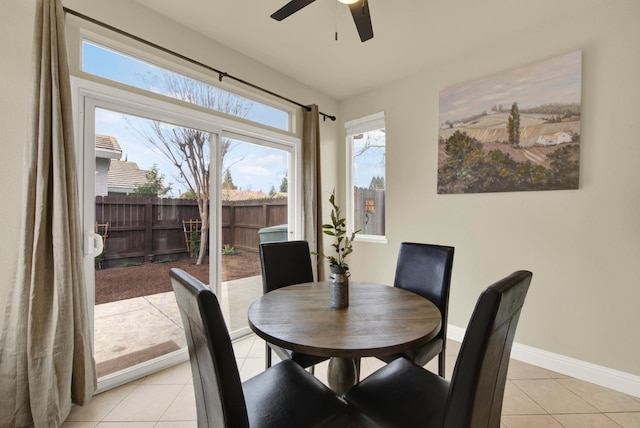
(148, 229)
(265, 214)
(232, 223)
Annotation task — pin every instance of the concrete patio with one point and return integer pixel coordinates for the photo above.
(130, 331)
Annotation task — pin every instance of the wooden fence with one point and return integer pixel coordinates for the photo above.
(241, 220)
(151, 229)
(369, 211)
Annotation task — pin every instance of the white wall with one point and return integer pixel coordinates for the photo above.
(582, 245)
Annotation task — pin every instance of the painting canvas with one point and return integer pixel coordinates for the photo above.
(516, 131)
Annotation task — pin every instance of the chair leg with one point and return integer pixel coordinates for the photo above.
(357, 363)
(267, 357)
(441, 365)
(312, 370)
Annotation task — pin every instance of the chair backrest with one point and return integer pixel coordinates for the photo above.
(285, 263)
(480, 375)
(425, 269)
(219, 398)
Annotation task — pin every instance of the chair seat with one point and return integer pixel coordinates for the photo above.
(286, 395)
(420, 355)
(413, 397)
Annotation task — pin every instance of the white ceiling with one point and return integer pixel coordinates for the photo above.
(409, 35)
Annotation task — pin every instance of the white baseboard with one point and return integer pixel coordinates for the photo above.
(613, 379)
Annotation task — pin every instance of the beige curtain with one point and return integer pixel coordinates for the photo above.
(46, 360)
(311, 192)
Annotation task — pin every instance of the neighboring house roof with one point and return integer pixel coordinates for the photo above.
(107, 147)
(125, 176)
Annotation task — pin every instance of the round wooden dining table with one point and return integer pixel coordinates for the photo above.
(380, 320)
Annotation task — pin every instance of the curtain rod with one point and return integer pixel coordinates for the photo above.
(221, 74)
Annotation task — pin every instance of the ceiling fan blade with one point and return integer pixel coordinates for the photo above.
(290, 8)
(362, 18)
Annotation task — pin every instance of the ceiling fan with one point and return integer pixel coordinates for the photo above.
(359, 11)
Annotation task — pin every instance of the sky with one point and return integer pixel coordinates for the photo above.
(371, 163)
(554, 80)
(252, 167)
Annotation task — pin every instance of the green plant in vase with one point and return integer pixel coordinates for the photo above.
(342, 246)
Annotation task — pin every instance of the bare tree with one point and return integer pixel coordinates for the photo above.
(188, 149)
(372, 140)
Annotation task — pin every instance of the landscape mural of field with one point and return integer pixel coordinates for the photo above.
(516, 131)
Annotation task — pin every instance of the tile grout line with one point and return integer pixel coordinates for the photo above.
(169, 406)
(564, 388)
(530, 398)
(119, 402)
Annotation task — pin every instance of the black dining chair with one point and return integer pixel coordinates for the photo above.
(426, 269)
(283, 396)
(286, 263)
(403, 394)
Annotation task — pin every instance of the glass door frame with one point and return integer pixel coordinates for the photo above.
(294, 191)
(88, 95)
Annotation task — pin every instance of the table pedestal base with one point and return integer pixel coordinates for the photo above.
(342, 374)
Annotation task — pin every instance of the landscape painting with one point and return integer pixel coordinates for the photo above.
(517, 131)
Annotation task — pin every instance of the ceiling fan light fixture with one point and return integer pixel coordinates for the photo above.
(359, 11)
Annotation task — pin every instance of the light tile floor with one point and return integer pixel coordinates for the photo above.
(534, 397)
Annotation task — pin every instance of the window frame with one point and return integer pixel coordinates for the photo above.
(108, 93)
(353, 127)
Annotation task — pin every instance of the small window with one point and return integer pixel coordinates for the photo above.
(117, 66)
(366, 138)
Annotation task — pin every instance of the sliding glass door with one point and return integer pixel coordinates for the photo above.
(256, 196)
(146, 182)
(167, 187)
